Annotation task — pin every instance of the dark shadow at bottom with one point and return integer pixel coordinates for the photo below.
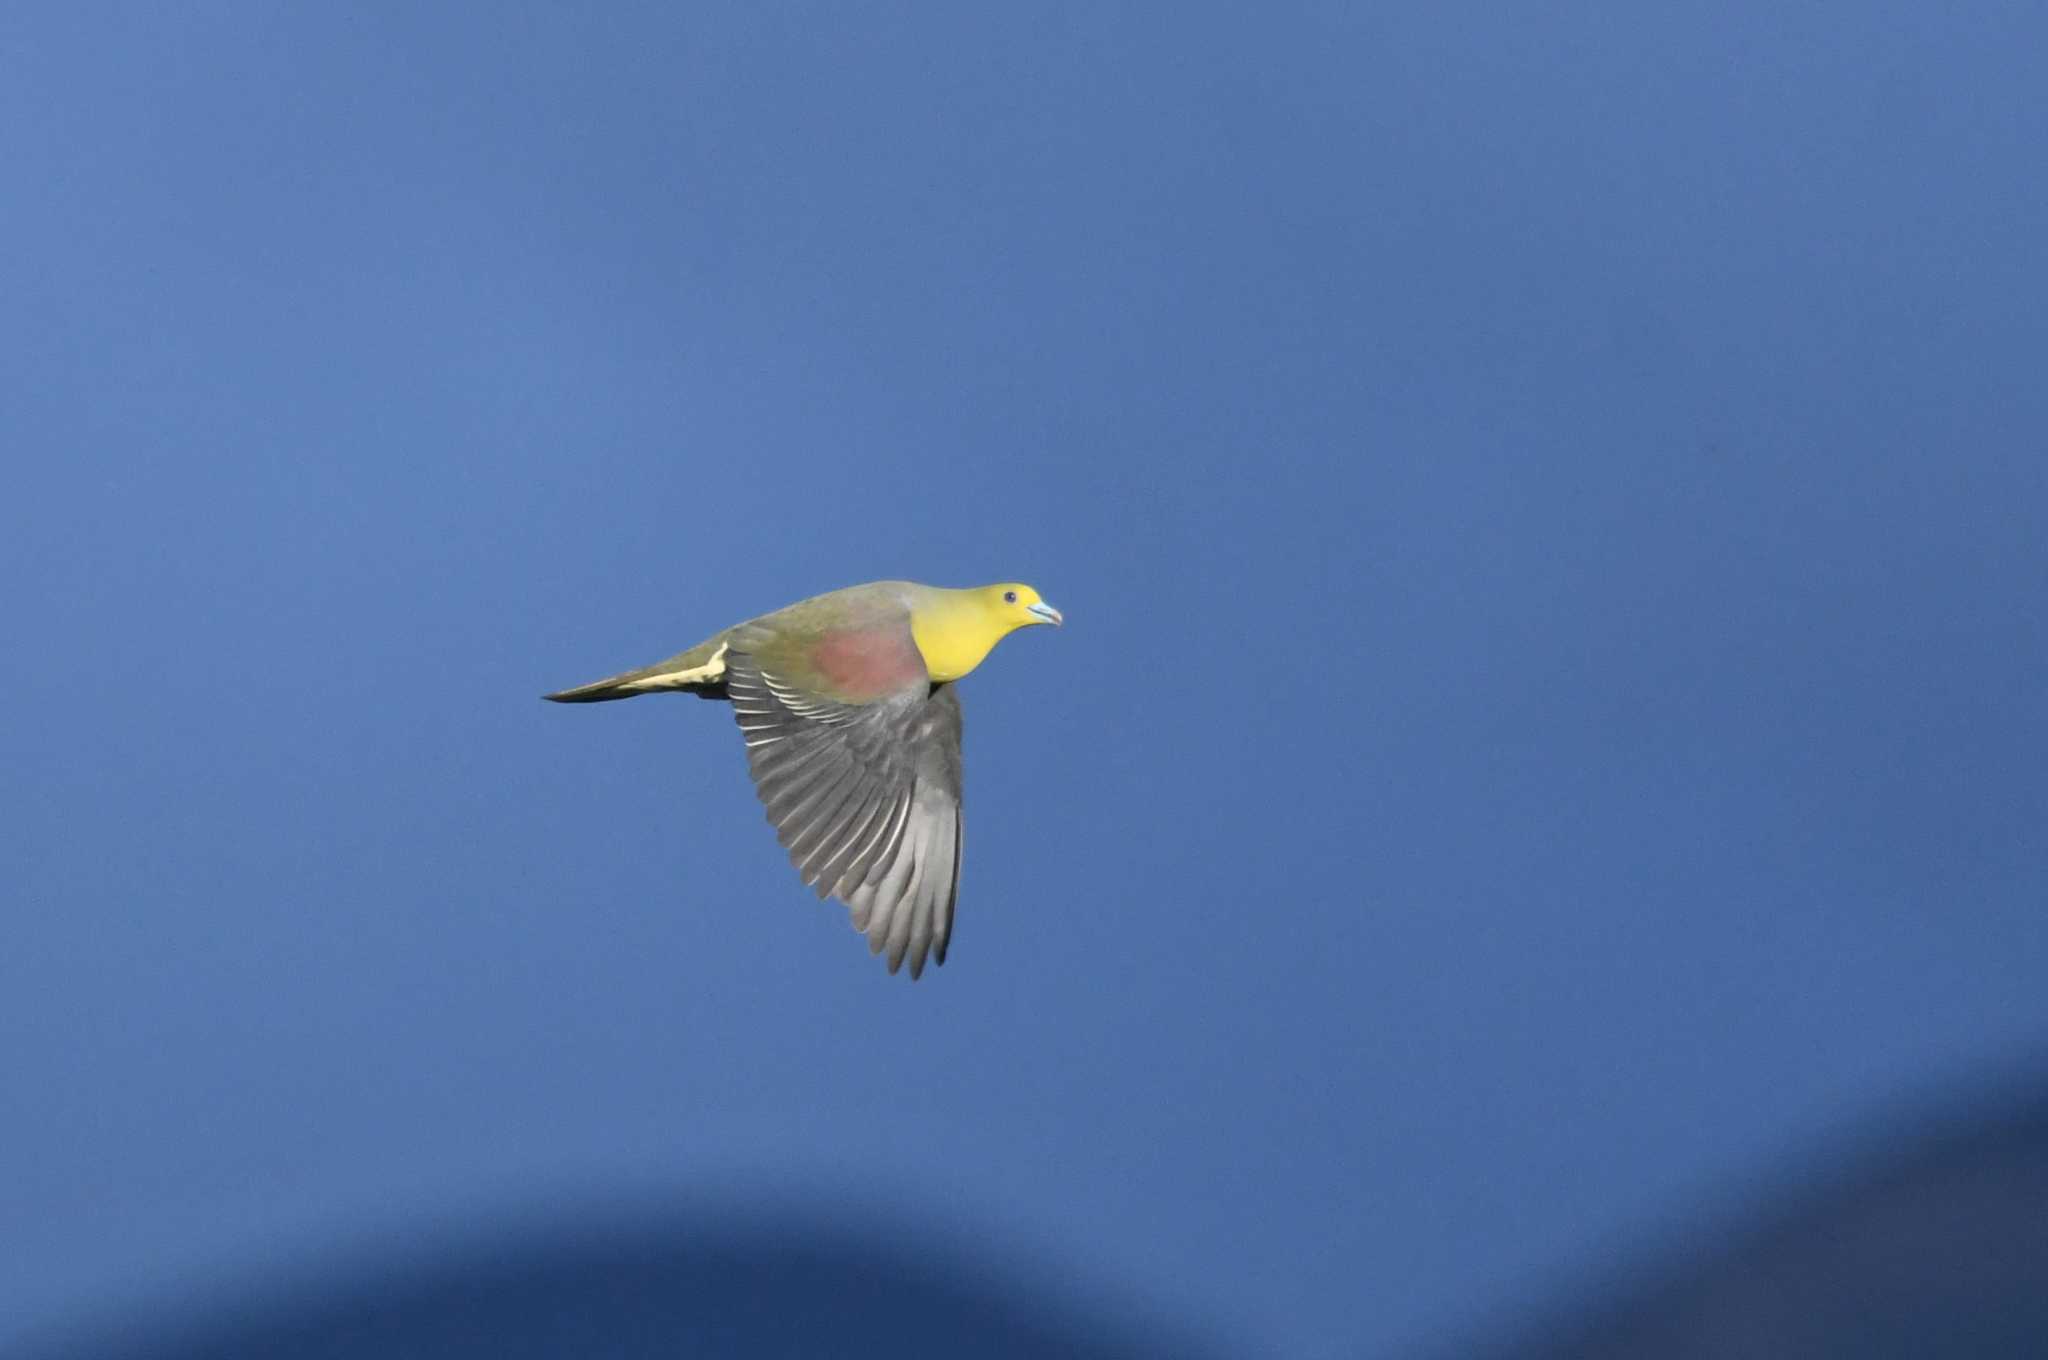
(1929, 1239)
(600, 1287)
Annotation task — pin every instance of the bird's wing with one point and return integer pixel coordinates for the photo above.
(865, 797)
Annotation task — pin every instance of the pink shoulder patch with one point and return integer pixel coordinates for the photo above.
(867, 665)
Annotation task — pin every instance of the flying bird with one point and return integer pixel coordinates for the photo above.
(852, 726)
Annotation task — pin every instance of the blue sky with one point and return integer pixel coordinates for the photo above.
(1548, 503)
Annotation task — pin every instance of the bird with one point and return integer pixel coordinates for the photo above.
(847, 706)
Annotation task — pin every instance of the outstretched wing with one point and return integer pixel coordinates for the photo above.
(866, 799)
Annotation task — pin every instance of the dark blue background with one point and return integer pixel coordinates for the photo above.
(1548, 501)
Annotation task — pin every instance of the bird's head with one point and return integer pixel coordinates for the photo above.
(955, 628)
(1014, 605)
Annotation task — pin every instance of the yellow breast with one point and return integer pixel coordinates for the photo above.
(954, 637)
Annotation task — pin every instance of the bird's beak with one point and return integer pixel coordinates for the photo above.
(1045, 613)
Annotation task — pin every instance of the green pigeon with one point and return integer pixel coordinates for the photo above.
(852, 726)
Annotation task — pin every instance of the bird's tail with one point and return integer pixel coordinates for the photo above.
(701, 671)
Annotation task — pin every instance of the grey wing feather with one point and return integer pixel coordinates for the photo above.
(866, 799)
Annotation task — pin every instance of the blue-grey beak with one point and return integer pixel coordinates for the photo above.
(1045, 613)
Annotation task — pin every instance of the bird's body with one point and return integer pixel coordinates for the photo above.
(853, 738)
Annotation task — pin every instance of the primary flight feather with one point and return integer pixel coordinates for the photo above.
(852, 727)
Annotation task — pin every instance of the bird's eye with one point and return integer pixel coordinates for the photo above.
(1009, 597)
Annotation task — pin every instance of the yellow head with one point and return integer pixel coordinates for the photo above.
(1015, 605)
(956, 628)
